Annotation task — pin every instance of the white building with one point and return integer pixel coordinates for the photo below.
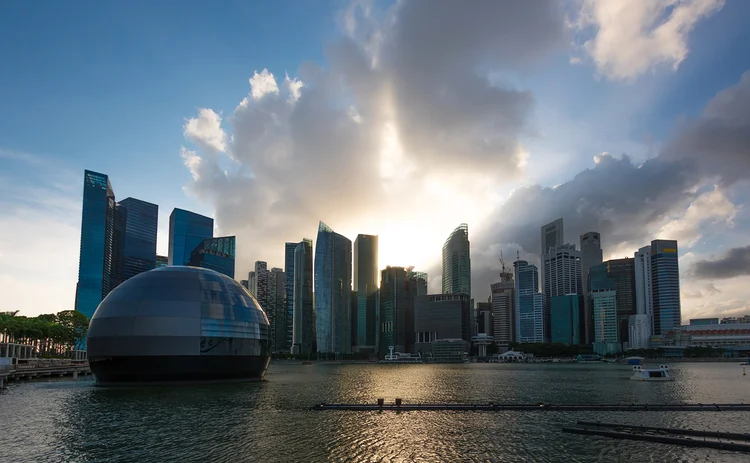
(562, 271)
(644, 302)
(639, 327)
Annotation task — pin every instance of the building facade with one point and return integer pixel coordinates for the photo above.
(161, 261)
(289, 249)
(531, 322)
(457, 262)
(365, 281)
(639, 326)
(622, 274)
(139, 246)
(216, 254)
(591, 254)
(485, 321)
(396, 309)
(503, 310)
(566, 319)
(333, 287)
(552, 236)
(606, 339)
(187, 230)
(277, 305)
(303, 315)
(665, 284)
(562, 271)
(440, 317)
(644, 301)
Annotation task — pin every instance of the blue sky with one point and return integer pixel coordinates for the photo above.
(110, 86)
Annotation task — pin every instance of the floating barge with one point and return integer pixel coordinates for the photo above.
(399, 406)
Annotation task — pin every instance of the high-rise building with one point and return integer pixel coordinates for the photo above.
(117, 270)
(244, 284)
(277, 306)
(187, 230)
(303, 315)
(457, 262)
(97, 230)
(606, 339)
(562, 275)
(366, 286)
(418, 282)
(485, 322)
(639, 326)
(333, 287)
(531, 323)
(665, 284)
(440, 317)
(259, 282)
(161, 261)
(503, 310)
(215, 254)
(252, 283)
(139, 247)
(566, 319)
(396, 309)
(552, 236)
(644, 298)
(622, 273)
(289, 271)
(591, 254)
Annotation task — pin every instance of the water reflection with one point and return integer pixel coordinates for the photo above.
(271, 421)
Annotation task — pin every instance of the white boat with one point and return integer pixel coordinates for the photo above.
(651, 374)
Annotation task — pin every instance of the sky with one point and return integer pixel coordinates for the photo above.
(402, 119)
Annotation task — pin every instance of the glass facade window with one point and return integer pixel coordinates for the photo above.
(289, 249)
(215, 254)
(333, 286)
(303, 334)
(457, 262)
(366, 286)
(187, 230)
(665, 284)
(566, 319)
(530, 313)
(139, 246)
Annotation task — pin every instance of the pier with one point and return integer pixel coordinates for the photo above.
(42, 369)
(399, 406)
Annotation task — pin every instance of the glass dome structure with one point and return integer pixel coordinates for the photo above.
(178, 324)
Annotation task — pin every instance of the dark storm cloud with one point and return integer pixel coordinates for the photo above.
(734, 263)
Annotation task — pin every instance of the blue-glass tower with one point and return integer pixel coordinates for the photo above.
(216, 254)
(530, 304)
(303, 323)
(665, 284)
(186, 231)
(139, 247)
(289, 249)
(333, 287)
(97, 233)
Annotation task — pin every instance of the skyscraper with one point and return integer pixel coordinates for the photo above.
(289, 271)
(606, 337)
(187, 230)
(333, 286)
(277, 306)
(139, 247)
(562, 271)
(531, 322)
(552, 236)
(503, 309)
(216, 254)
(644, 299)
(591, 254)
(457, 262)
(161, 261)
(622, 273)
(665, 283)
(366, 286)
(303, 326)
(97, 230)
(438, 317)
(396, 310)
(566, 319)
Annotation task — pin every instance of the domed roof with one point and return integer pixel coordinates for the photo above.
(169, 309)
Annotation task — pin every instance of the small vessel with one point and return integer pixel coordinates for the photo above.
(634, 360)
(651, 374)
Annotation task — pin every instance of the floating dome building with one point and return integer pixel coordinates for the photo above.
(178, 324)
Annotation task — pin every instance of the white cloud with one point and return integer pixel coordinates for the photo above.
(205, 130)
(633, 37)
(263, 84)
(294, 87)
(710, 208)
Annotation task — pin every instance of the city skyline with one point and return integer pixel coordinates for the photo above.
(483, 136)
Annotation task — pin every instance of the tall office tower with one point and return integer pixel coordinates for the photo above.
(161, 261)
(552, 236)
(333, 287)
(289, 271)
(665, 284)
(639, 336)
(485, 322)
(97, 230)
(277, 306)
(215, 254)
(457, 262)
(260, 285)
(644, 301)
(591, 254)
(117, 268)
(397, 292)
(303, 315)
(562, 275)
(417, 282)
(252, 284)
(531, 323)
(187, 230)
(436, 317)
(606, 336)
(503, 310)
(139, 247)
(244, 284)
(566, 319)
(622, 273)
(366, 286)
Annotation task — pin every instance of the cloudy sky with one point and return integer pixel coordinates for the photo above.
(402, 119)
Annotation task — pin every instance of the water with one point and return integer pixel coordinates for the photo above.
(271, 422)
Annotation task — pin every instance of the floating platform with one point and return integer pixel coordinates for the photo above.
(399, 406)
(685, 437)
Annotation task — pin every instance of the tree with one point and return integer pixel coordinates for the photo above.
(77, 325)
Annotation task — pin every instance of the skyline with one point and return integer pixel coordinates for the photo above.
(678, 113)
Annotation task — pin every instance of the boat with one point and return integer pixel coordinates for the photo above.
(651, 374)
(634, 360)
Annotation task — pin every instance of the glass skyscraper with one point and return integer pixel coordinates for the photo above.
(216, 254)
(530, 305)
(186, 231)
(566, 319)
(397, 294)
(665, 284)
(366, 286)
(139, 247)
(333, 286)
(457, 262)
(289, 249)
(97, 233)
(303, 328)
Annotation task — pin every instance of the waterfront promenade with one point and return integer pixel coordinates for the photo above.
(42, 369)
